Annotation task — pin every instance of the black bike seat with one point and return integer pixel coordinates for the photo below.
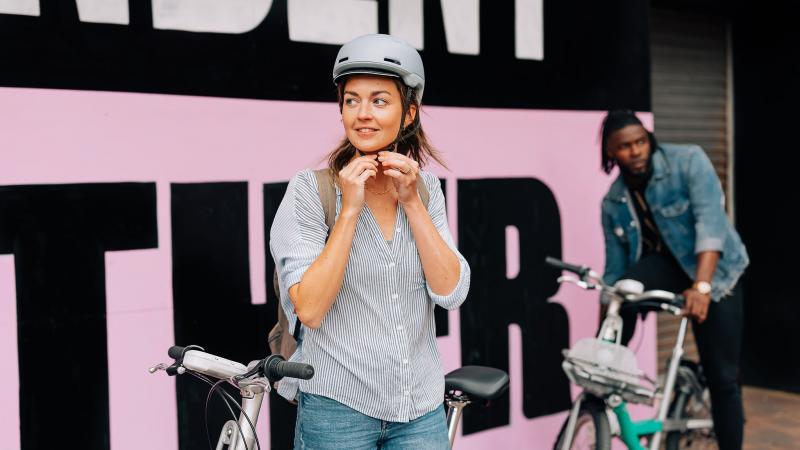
(478, 382)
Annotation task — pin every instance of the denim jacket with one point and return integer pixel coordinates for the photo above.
(688, 205)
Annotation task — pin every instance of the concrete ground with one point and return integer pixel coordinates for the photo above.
(773, 419)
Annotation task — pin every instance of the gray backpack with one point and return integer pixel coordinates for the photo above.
(286, 344)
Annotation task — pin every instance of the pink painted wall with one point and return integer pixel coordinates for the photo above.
(50, 136)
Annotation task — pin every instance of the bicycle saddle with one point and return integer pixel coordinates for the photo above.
(478, 382)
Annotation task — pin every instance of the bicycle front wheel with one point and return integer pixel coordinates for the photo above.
(592, 431)
(687, 406)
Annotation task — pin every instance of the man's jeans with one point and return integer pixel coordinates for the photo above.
(323, 423)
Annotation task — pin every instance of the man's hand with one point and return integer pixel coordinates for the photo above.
(696, 305)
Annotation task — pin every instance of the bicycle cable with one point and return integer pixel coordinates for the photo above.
(214, 388)
(228, 400)
(208, 397)
(640, 324)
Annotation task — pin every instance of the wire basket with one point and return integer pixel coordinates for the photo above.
(603, 368)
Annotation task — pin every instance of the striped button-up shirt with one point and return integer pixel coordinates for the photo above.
(376, 348)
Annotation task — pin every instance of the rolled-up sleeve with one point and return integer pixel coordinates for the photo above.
(438, 213)
(297, 236)
(708, 203)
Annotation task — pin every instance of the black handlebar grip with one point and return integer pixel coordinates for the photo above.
(557, 263)
(175, 352)
(295, 370)
(275, 368)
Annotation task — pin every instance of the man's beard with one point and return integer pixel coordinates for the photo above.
(639, 179)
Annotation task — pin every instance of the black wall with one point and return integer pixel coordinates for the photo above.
(592, 60)
(766, 76)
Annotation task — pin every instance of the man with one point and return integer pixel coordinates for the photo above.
(665, 225)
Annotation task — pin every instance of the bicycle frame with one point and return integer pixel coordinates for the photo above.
(455, 406)
(632, 431)
(230, 435)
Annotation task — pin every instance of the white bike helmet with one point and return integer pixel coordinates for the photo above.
(381, 54)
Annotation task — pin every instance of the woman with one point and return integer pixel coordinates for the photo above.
(365, 290)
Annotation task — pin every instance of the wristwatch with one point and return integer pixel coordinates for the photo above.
(703, 287)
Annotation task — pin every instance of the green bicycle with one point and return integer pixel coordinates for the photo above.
(609, 375)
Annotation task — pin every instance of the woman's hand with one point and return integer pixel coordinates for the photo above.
(352, 179)
(405, 175)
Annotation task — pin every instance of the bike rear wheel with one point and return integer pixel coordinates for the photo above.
(686, 405)
(592, 431)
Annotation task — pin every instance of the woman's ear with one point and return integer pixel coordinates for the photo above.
(410, 115)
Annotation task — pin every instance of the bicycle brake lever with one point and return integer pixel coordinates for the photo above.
(171, 369)
(157, 367)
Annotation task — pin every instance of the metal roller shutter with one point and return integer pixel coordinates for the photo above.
(691, 86)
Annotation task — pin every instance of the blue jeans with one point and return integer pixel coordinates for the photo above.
(324, 423)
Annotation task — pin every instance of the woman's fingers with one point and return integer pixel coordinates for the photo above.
(368, 172)
(356, 166)
(401, 163)
(394, 173)
(354, 170)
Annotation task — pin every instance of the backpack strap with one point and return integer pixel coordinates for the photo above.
(327, 195)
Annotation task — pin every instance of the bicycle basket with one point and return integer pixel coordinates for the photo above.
(603, 368)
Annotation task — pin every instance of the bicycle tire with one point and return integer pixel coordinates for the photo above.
(694, 440)
(592, 424)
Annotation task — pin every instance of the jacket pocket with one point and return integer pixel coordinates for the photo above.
(675, 209)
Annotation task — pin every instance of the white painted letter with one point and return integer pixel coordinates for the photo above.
(21, 7)
(213, 16)
(104, 11)
(331, 21)
(462, 26)
(405, 21)
(529, 23)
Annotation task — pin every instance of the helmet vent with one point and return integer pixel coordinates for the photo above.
(393, 61)
(344, 59)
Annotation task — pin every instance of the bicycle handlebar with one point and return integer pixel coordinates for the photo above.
(581, 271)
(273, 367)
(597, 283)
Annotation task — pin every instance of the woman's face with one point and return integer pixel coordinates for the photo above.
(371, 110)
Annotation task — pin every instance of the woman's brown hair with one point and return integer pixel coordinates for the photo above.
(415, 146)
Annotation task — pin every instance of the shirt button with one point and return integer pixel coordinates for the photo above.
(394, 296)
(405, 392)
(391, 265)
(405, 361)
(398, 229)
(400, 327)
(633, 223)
